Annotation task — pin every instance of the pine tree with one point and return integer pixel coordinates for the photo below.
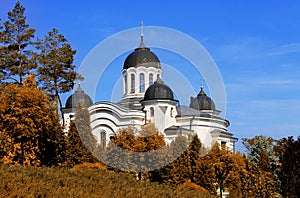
(81, 143)
(17, 58)
(261, 145)
(83, 125)
(261, 150)
(56, 70)
(30, 131)
(77, 153)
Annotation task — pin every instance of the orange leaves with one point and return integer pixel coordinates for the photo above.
(27, 118)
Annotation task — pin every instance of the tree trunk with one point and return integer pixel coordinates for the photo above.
(61, 111)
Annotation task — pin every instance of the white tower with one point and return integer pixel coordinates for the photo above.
(140, 70)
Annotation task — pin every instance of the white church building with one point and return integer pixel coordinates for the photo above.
(146, 98)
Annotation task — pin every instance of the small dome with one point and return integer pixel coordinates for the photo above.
(142, 56)
(78, 97)
(159, 90)
(202, 102)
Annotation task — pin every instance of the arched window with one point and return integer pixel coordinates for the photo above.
(171, 112)
(150, 79)
(125, 83)
(103, 139)
(142, 83)
(151, 111)
(132, 83)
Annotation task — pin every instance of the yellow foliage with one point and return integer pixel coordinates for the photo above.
(190, 185)
(87, 165)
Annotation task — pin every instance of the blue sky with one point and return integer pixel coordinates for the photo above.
(255, 44)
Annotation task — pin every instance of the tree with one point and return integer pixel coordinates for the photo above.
(185, 166)
(249, 180)
(2, 51)
(261, 151)
(290, 171)
(17, 58)
(77, 152)
(136, 151)
(215, 168)
(261, 145)
(56, 70)
(80, 141)
(30, 130)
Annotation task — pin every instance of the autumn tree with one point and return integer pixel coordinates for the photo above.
(17, 57)
(290, 170)
(30, 130)
(185, 164)
(248, 179)
(2, 51)
(136, 150)
(215, 168)
(261, 151)
(56, 69)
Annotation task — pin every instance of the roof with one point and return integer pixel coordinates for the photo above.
(141, 56)
(159, 90)
(78, 97)
(202, 102)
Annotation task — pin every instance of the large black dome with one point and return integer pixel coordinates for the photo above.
(78, 97)
(142, 56)
(202, 102)
(159, 90)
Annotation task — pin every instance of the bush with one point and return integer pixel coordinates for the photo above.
(18, 181)
(87, 165)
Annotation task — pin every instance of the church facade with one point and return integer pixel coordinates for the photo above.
(146, 98)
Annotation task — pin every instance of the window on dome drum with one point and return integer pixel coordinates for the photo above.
(125, 79)
(142, 83)
(171, 112)
(103, 139)
(150, 79)
(132, 83)
(151, 111)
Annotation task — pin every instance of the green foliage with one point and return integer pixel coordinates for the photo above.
(17, 58)
(30, 130)
(260, 147)
(290, 171)
(261, 151)
(60, 182)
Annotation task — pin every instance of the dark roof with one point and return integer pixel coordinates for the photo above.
(78, 97)
(159, 90)
(142, 56)
(202, 102)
